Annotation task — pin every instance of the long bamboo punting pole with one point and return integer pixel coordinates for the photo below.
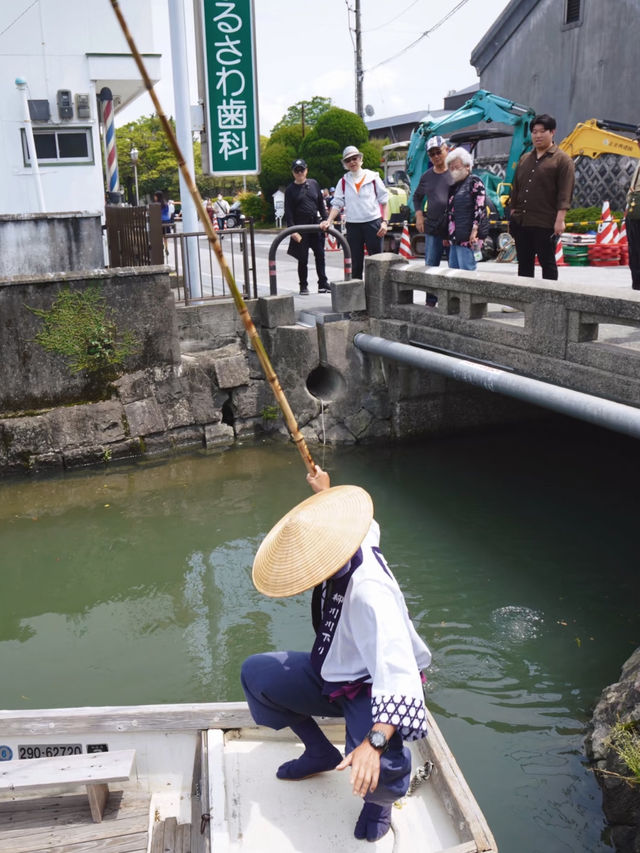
(256, 343)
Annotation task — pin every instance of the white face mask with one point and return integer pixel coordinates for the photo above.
(459, 174)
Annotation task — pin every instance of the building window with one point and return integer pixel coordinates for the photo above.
(68, 146)
(572, 12)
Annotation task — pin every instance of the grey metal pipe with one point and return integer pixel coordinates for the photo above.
(595, 410)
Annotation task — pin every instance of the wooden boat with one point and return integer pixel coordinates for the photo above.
(203, 779)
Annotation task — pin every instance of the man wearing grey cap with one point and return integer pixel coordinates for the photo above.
(632, 222)
(304, 205)
(365, 201)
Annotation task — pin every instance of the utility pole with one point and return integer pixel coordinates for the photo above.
(359, 69)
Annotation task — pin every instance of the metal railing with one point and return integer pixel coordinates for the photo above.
(332, 232)
(201, 279)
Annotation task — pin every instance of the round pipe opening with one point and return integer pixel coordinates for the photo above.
(326, 383)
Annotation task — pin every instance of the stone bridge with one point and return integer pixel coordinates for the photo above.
(584, 338)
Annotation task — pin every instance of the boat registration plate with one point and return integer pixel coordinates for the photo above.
(48, 750)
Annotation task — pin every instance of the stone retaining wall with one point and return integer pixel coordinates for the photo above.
(619, 702)
(198, 382)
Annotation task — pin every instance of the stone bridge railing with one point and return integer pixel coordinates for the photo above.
(582, 337)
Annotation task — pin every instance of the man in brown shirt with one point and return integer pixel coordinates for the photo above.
(540, 197)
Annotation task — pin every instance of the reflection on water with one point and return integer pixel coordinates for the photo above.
(516, 551)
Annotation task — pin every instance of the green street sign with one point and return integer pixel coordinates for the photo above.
(231, 107)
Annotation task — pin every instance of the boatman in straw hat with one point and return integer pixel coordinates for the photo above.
(366, 661)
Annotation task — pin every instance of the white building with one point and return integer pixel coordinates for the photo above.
(67, 52)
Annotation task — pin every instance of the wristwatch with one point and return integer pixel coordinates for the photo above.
(384, 222)
(378, 740)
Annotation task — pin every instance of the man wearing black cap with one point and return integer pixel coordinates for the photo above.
(304, 205)
(632, 222)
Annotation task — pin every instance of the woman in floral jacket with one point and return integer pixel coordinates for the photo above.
(466, 210)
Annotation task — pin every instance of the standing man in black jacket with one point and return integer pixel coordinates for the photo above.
(304, 205)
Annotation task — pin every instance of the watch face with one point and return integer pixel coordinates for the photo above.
(377, 740)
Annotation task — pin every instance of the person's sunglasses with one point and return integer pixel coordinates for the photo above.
(299, 169)
(434, 152)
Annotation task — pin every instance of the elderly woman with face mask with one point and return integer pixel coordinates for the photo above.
(465, 210)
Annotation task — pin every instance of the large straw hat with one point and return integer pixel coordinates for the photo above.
(312, 541)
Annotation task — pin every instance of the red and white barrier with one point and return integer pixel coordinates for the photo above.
(607, 227)
(405, 243)
(560, 261)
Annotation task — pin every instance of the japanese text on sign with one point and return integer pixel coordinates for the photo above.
(232, 102)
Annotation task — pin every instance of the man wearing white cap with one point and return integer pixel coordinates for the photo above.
(366, 661)
(363, 197)
(433, 189)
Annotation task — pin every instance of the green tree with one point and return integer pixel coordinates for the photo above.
(157, 165)
(313, 109)
(276, 168)
(322, 147)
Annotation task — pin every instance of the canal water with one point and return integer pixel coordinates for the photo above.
(517, 551)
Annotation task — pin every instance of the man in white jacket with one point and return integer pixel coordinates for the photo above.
(363, 197)
(366, 661)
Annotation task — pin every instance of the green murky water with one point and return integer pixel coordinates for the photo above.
(516, 550)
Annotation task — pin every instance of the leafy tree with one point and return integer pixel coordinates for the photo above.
(313, 109)
(276, 168)
(157, 165)
(322, 147)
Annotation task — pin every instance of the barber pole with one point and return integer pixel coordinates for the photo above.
(110, 152)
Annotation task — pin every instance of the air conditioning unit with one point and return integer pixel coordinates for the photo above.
(39, 110)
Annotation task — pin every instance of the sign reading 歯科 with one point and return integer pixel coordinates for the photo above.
(231, 107)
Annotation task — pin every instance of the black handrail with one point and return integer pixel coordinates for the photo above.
(273, 287)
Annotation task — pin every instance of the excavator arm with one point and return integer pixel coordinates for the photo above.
(594, 137)
(482, 106)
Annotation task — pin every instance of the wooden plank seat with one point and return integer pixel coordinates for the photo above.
(94, 770)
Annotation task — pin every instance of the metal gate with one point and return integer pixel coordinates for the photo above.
(134, 236)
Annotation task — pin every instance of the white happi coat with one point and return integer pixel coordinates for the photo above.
(374, 641)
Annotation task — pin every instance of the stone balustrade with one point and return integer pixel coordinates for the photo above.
(568, 334)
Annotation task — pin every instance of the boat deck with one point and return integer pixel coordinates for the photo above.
(63, 823)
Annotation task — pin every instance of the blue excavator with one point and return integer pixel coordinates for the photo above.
(485, 107)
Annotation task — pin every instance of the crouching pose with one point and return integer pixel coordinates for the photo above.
(366, 661)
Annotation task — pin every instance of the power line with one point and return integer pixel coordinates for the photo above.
(420, 37)
(22, 14)
(380, 26)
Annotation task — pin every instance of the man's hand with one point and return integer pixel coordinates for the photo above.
(365, 768)
(297, 237)
(420, 221)
(365, 763)
(319, 481)
(559, 225)
(325, 224)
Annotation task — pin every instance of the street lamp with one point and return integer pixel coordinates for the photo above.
(133, 154)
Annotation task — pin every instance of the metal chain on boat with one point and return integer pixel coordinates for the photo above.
(421, 775)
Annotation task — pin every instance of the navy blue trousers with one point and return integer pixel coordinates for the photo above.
(282, 689)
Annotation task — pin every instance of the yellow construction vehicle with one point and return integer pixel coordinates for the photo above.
(595, 137)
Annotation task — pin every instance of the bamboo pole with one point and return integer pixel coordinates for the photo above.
(249, 325)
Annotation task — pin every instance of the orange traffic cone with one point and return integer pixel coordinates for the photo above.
(606, 231)
(405, 243)
(560, 261)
